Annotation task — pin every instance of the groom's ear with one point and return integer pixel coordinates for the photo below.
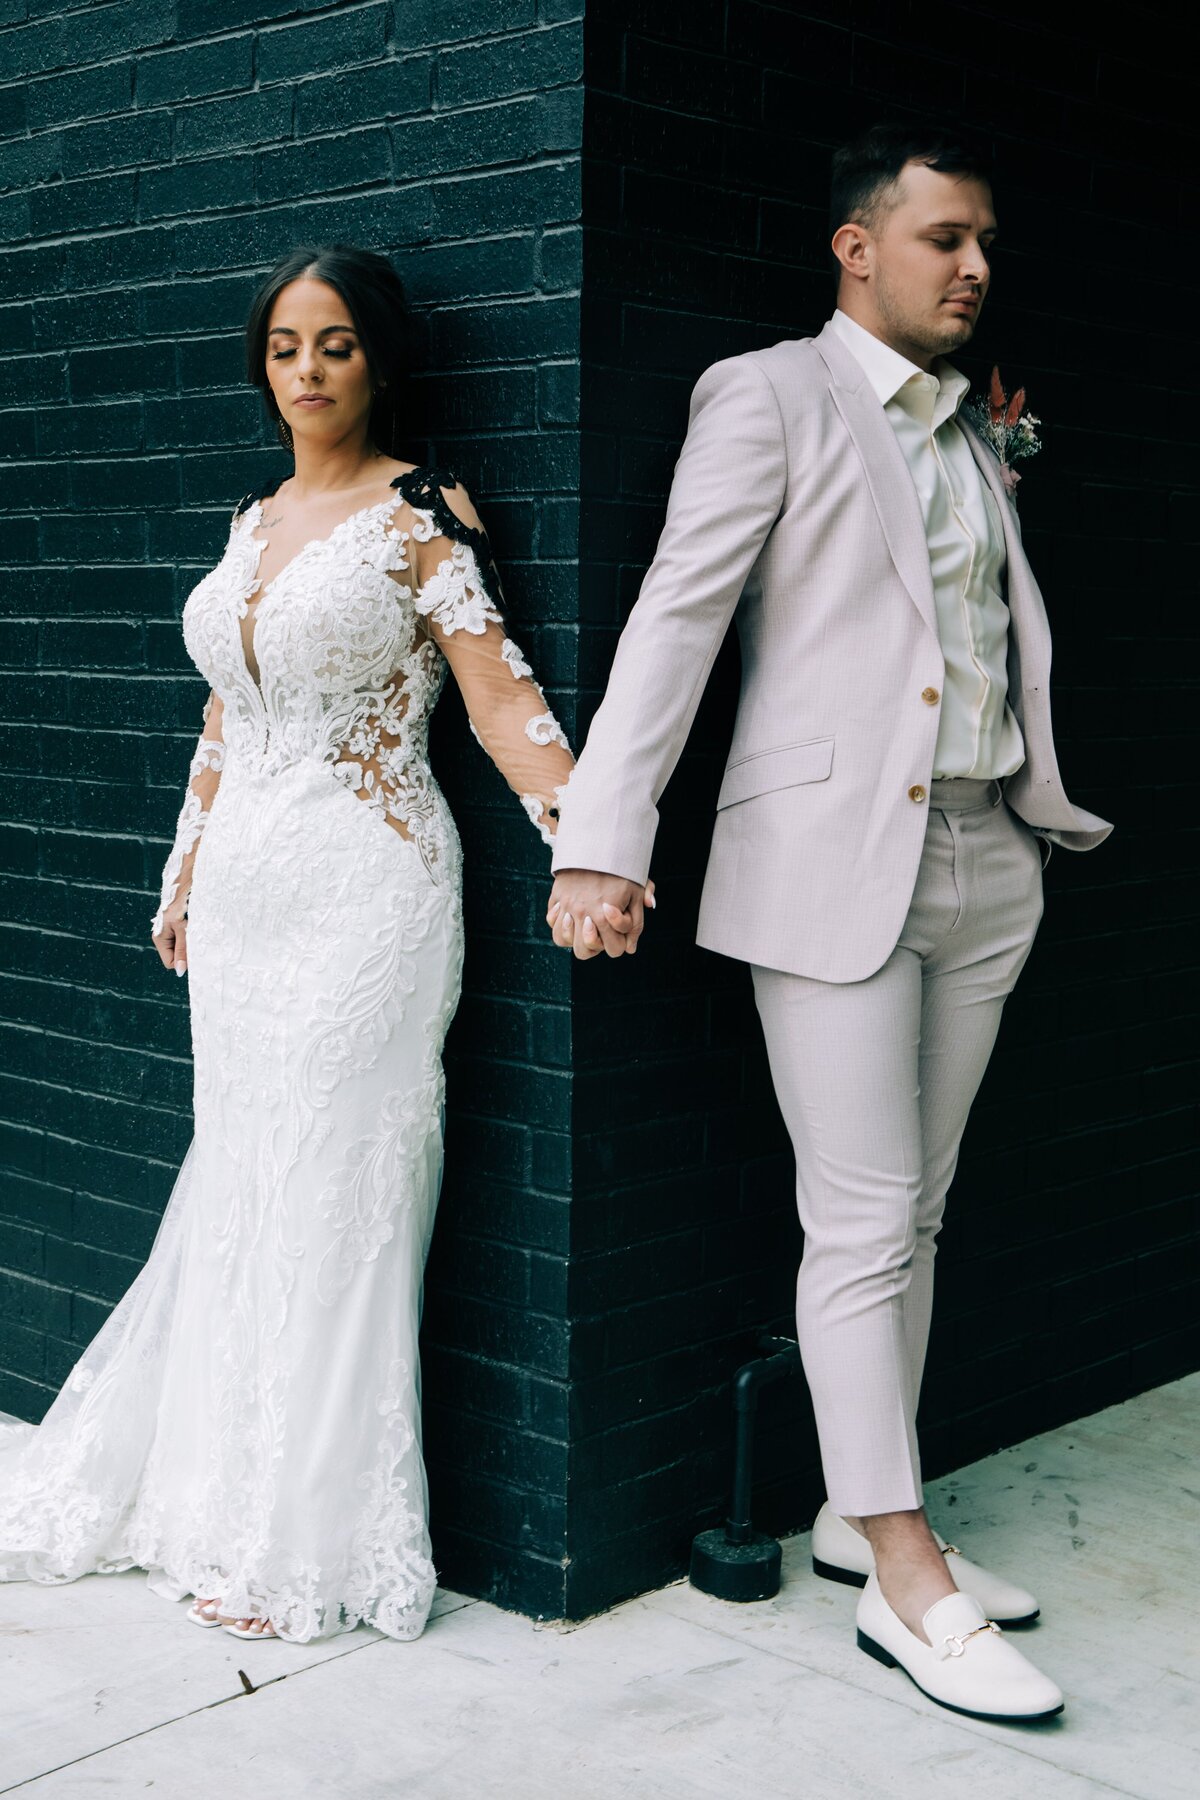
(851, 245)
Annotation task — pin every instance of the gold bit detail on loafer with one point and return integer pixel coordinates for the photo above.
(955, 1645)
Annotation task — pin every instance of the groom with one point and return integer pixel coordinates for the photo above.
(889, 798)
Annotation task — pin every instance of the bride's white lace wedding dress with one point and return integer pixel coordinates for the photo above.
(247, 1421)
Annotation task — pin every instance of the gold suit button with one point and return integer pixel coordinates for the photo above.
(930, 696)
(916, 793)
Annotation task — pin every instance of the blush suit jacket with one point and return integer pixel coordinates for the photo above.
(792, 508)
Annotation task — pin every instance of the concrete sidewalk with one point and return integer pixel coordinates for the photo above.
(107, 1689)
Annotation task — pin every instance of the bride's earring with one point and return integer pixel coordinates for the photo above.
(285, 432)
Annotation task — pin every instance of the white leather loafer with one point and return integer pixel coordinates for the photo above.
(968, 1664)
(840, 1553)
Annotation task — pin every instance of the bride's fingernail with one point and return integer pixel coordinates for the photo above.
(181, 968)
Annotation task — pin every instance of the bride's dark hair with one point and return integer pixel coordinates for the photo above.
(378, 309)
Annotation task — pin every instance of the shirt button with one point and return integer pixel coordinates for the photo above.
(930, 696)
(916, 793)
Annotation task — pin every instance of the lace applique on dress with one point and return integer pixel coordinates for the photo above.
(461, 596)
(422, 488)
(204, 772)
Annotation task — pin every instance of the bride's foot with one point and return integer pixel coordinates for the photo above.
(208, 1612)
(252, 1628)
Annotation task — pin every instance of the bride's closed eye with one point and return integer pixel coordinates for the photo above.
(281, 355)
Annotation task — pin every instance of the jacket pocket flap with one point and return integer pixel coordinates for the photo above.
(787, 767)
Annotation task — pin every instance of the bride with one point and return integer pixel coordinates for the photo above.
(246, 1424)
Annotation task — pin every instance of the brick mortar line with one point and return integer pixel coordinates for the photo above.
(296, 83)
(548, 159)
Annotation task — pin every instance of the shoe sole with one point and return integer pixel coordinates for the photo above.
(831, 1572)
(968, 1712)
(852, 1578)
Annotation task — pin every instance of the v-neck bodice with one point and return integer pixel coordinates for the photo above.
(296, 663)
(259, 501)
(253, 600)
(336, 662)
(328, 664)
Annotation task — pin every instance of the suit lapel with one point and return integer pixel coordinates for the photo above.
(888, 475)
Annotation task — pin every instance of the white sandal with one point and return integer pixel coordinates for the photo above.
(268, 1632)
(200, 1616)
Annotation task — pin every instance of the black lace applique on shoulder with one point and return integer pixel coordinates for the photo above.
(422, 488)
(260, 493)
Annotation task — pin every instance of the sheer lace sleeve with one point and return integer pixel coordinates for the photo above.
(458, 595)
(204, 776)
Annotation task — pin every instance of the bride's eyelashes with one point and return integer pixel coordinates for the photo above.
(281, 355)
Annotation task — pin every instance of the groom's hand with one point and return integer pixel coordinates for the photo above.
(590, 912)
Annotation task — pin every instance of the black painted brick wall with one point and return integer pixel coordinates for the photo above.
(155, 158)
(1067, 1275)
(616, 1225)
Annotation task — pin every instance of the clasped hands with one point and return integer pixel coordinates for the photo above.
(591, 913)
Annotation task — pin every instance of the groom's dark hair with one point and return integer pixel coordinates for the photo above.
(864, 180)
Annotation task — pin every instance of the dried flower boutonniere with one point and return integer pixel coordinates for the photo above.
(1011, 433)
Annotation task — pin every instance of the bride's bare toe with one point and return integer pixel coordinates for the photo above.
(252, 1627)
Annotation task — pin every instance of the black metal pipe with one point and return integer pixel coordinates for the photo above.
(739, 1563)
(783, 1356)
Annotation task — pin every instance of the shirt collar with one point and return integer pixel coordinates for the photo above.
(888, 372)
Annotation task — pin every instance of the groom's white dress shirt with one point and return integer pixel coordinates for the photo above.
(978, 734)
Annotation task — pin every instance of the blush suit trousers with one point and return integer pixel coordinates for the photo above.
(875, 1080)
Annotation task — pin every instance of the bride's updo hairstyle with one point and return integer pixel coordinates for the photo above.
(378, 309)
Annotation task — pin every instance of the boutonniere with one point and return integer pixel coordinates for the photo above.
(1010, 431)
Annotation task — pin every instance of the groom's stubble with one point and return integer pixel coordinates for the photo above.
(903, 323)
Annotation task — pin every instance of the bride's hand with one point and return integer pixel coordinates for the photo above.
(609, 895)
(171, 941)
